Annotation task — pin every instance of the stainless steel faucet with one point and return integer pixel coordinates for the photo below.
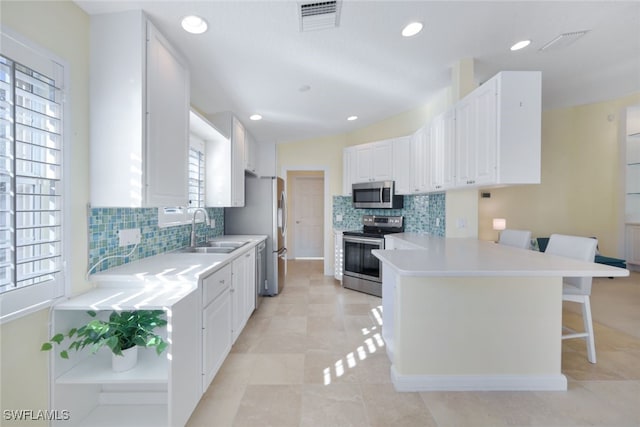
(193, 224)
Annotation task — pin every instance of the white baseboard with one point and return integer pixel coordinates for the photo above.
(477, 382)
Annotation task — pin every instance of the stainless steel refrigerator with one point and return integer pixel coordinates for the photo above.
(264, 212)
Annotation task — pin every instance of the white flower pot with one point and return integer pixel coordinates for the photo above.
(127, 361)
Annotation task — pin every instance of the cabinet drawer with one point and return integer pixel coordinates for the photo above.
(215, 284)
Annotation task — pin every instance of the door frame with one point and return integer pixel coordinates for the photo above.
(328, 206)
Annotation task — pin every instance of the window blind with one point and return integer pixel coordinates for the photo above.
(196, 177)
(30, 177)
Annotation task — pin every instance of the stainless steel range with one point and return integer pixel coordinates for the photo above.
(362, 271)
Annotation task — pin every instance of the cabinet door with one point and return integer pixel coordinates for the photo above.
(216, 283)
(238, 163)
(337, 255)
(419, 164)
(364, 159)
(449, 149)
(238, 297)
(216, 336)
(167, 124)
(476, 136)
(402, 170)
(249, 261)
(348, 170)
(486, 137)
(382, 161)
(465, 147)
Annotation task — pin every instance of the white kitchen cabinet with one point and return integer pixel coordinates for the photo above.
(216, 323)
(374, 161)
(159, 391)
(419, 165)
(251, 164)
(243, 292)
(226, 163)
(498, 131)
(139, 114)
(402, 165)
(442, 151)
(348, 169)
(632, 187)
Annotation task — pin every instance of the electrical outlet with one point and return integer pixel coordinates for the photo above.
(212, 223)
(437, 222)
(338, 218)
(129, 237)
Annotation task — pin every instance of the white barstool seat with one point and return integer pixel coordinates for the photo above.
(577, 289)
(515, 238)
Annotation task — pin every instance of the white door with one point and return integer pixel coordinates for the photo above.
(308, 211)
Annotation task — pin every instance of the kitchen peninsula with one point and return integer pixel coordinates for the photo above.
(465, 314)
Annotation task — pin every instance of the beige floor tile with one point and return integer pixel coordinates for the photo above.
(219, 407)
(270, 406)
(235, 370)
(328, 367)
(385, 407)
(333, 405)
(275, 369)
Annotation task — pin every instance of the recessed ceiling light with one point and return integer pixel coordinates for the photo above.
(255, 117)
(412, 29)
(521, 45)
(352, 118)
(194, 24)
(304, 88)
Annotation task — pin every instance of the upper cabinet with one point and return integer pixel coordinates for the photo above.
(442, 133)
(251, 158)
(498, 131)
(139, 114)
(490, 137)
(226, 163)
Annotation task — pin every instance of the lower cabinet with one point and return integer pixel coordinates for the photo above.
(338, 255)
(243, 292)
(159, 391)
(216, 323)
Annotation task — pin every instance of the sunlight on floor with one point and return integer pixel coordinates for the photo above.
(373, 341)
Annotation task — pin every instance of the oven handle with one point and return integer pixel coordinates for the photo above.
(356, 239)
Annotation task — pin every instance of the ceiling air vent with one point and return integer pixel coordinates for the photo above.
(563, 40)
(319, 15)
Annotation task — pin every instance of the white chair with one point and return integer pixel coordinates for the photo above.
(577, 289)
(516, 238)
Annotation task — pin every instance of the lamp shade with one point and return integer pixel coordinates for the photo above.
(499, 223)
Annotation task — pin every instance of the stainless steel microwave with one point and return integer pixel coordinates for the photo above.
(376, 195)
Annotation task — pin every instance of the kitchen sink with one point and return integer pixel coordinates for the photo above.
(214, 247)
(225, 244)
(207, 250)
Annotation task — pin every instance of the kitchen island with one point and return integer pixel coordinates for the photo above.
(465, 314)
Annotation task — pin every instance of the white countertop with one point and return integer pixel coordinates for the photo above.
(461, 257)
(174, 267)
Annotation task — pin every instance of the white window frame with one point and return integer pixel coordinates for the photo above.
(179, 215)
(23, 301)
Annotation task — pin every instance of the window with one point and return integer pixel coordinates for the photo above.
(178, 215)
(31, 186)
(196, 174)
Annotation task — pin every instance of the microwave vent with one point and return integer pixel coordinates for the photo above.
(319, 15)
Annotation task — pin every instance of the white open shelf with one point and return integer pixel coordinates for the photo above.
(96, 369)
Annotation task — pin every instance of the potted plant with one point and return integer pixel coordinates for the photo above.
(123, 332)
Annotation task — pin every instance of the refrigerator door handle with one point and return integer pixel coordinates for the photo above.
(283, 215)
(282, 252)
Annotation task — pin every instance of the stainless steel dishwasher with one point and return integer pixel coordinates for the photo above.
(261, 271)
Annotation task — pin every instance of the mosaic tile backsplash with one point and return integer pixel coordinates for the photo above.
(104, 224)
(421, 213)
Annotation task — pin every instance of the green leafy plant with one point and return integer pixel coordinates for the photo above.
(123, 330)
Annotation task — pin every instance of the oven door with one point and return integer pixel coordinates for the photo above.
(358, 260)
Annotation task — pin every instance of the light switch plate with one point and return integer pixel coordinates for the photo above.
(127, 237)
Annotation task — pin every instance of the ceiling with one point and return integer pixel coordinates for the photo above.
(255, 59)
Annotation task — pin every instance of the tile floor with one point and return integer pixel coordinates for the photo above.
(313, 356)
